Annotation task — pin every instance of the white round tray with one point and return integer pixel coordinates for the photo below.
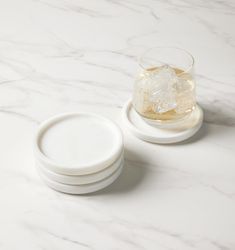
(77, 143)
(82, 189)
(80, 179)
(147, 132)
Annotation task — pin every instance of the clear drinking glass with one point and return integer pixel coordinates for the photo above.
(164, 90)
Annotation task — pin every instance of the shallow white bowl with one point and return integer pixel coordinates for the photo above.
(77, 143)
(143, 130)
(81, 179)
(82, 189)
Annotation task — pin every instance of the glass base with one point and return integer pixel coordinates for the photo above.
(171, 124)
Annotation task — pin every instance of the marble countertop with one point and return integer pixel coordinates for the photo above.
(67, 55)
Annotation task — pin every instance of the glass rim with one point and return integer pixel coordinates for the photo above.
(140, 58)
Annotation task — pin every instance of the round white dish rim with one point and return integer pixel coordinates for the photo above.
(146, 132)
(77, 170)
(82, 189)
(81, 179)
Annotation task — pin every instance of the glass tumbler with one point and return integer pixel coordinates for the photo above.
(164, 89)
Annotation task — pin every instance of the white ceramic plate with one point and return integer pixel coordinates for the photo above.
(78, 143)
(82, 189)
(81, 179)
(146, 132)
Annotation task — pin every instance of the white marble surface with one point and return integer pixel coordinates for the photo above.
(68, 55)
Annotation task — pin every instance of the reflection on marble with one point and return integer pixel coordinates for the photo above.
(67, 55)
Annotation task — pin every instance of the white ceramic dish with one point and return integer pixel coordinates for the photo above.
(81, 179)
(146, 132)
(78, 143)
(81, 189)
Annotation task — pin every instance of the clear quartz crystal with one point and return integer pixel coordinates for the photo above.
(164, 93)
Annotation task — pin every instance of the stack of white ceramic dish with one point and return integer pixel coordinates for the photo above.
(78, 153)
